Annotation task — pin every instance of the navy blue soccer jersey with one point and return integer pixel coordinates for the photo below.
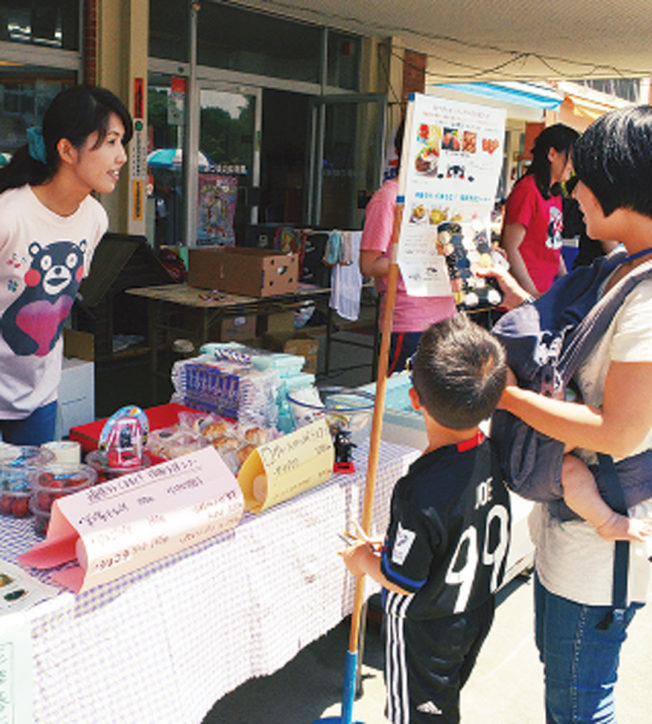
(448, 535)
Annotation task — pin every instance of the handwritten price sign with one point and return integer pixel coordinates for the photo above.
(124, 524)
(286, 467)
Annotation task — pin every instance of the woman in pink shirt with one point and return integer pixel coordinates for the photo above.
(533, 219)
(412, 315)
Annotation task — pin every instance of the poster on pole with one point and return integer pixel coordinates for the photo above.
(450, 165)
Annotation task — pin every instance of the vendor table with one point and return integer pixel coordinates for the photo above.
(165, 642)
(203, 309)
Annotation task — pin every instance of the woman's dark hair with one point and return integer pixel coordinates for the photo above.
(75, 114)
(614, 159)
(561, 138)
(459, 372)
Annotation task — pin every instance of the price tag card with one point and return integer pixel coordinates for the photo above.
(125, 523)
(285, 467)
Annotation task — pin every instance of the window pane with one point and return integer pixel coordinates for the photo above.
(24, 96)
(259, 44)
(165, 162)
(168, 29)
(343, 60)
(54, 23)
(227, 141)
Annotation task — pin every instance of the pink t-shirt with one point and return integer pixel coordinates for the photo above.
(411, 314)
(543, 222)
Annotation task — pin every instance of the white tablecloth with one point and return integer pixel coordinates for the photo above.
(164, 643)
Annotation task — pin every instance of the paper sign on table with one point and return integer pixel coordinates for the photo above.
(285, 467)
(125, 523)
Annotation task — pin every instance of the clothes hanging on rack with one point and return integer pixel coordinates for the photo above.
(346, 279)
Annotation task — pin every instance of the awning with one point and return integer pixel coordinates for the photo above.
(525, 94)
(588, 108)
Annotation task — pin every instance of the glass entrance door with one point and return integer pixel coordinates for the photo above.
(229, 162)
(346, 150)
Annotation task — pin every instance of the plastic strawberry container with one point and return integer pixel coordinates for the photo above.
(56, 480)
(106, 472)
(18, 464)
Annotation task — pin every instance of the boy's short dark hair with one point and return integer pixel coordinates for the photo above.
(613, 157)
(459, 372)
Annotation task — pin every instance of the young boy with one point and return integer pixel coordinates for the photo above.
(447, 540)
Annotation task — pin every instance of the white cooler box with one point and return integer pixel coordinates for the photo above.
(76, 395)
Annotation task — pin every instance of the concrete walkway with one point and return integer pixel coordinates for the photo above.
(505, 687)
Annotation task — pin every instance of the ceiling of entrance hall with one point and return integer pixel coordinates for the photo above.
(468, 40)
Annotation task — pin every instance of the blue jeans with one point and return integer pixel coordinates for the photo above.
(36, 429)
(580, 661)
(402, 346)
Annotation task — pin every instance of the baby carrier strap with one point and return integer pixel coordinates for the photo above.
(546, 342)
(615, 497)
(590, 329)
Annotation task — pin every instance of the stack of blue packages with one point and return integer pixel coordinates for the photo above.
(286, 368)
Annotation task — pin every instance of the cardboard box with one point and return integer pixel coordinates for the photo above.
(250, 272)
(297, 343)
(78, 344)
(307, 348)
(281, 322)
(236, 329)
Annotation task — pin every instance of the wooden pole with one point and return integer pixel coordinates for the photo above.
(372, 465)
(376, 429)
(377, 420)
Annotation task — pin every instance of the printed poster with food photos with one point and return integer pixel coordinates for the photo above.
(450, 165)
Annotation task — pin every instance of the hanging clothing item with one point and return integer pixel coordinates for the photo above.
(332, 252)
(345, 257)
(346, 279)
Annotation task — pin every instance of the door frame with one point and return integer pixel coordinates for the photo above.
(316, 136)
(225, 86)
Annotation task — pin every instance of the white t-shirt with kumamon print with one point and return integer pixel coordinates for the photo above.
(43, 258)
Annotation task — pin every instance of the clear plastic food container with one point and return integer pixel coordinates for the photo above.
(18, 464)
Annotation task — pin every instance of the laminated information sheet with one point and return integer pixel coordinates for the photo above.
(123, 524)
(451, 160)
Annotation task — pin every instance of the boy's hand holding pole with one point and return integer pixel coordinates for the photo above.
(362, 553)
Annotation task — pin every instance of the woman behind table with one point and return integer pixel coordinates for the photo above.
(411, 314)
(532, 224)
(578, 637)
(49, 228)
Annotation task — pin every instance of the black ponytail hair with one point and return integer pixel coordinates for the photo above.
(560, 137)
(75, 113)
